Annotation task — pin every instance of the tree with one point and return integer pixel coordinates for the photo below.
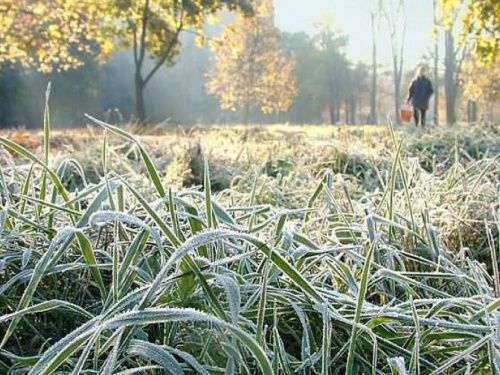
(394, 13)
(436, 61)
(374, 19)
(56, 34)
(481, 20)
(455, 54)
(52, 34)
(359, 85)
(49, 35)
(333, 67)
(308, 104)
(481, 85)
(450, 74)
(153, 27)
(330, 87)
(250, 69)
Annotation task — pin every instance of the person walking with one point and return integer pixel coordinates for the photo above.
(419, 94)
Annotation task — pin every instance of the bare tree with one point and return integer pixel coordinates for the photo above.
(435, 6)
(374, 17)
(394, 13)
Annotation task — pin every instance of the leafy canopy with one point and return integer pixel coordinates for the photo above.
(61, 34)
(481, 82)
(55, 34)
(251, 71)
(481, 22)
(156, 24)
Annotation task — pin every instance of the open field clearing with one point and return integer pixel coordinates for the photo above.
(246, 250)
(193, 226)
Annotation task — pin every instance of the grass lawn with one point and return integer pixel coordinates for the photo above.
(299, 250)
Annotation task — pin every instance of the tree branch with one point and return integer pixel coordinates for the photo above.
(136, 59)
(165, 55)
(402, 48)
(460, 62)
(144, 31)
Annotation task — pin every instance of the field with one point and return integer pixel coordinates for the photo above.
(248, 250)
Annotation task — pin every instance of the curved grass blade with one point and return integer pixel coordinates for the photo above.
(153, 173)
(157, 354)
(46, 306)
(65, 237)
(32, 158)
(162, 315)
(363, 287)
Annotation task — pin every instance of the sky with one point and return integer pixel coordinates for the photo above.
(352, 17)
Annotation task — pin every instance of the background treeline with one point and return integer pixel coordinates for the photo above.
(178, 94)
(247, 70)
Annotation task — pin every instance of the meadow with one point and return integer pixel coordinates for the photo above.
(250, 250)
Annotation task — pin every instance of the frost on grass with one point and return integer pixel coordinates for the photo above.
(316, 222)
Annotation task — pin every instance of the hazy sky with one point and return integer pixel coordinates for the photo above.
(353, 18)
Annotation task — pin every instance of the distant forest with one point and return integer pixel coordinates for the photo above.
(178, 94)
(327, 86)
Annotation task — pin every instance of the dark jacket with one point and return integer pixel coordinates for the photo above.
(420, 92)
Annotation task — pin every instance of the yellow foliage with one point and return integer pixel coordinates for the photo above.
(213, 19)
(480, 22)
(43, 33)
(482, 81)
(250, 70)
(155, 25)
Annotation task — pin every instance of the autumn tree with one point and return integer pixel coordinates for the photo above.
(481, 85)
(49, 36)
(58, 34)
(52, 34)
(251, 71)
(151, 28)
(481, 21)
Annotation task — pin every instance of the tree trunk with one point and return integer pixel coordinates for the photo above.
(472, 111)
(332, 107)
(397, 48)
(337, 110)
(332, 113)
(331, 104)
(436, 66)
(397, 102)
(140, 108)
(436, 86)
(450, 84)
(139, 49)
(373, 94)
(347, 113)
(353, 109)
(397, 90)
(489, 110)
(246, 112)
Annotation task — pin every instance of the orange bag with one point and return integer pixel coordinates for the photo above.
(405, 113)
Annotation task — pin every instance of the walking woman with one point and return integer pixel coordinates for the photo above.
(419, 94)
